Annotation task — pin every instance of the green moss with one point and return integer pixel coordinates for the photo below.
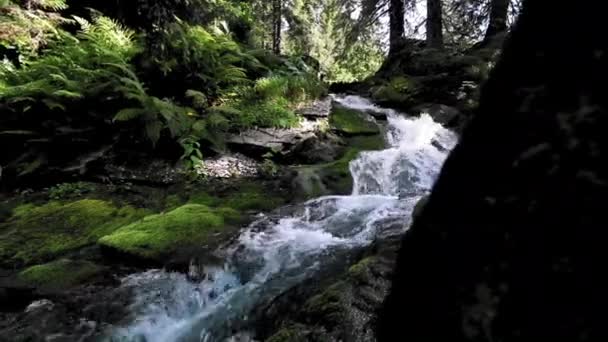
(157, 236)
(399, 90)
(351, 122)
(336, 175)
(289, 334)
(248, 196)
(230, 215)
(327, 307)
(173, 201)
(60, 274)
(360, 271)
(36, 234)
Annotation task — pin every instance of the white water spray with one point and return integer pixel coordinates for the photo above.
(276, 253)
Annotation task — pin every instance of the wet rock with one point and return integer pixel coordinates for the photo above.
(81, 314)
(43, 304)
(350, 122)
(321, 148)
(317, 109)
(419, 207)
(259, 142)
(445, 115)
(340, 307)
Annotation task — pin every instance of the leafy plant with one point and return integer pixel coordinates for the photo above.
(155, 114)
(192, 156)
(72, 68)
(67, 190)
(268, 168)
(199, 59)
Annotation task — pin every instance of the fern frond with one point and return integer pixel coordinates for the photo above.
(128, 114)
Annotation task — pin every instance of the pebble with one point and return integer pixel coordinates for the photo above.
(228, 166)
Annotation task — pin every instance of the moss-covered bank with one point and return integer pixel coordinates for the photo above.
(158, 236)
(40, 233)
(60, 274)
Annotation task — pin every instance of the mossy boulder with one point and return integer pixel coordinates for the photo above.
(333, 178)
(336, 175)
(158, 236)
(39, 233)
(399, 90)
(360, 272)
(351, 122)
(326, 308)
(60, 274)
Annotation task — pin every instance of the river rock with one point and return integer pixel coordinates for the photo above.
(441, 113)
(228, 166)
(321, 148)
(261, 141)
(316, 109)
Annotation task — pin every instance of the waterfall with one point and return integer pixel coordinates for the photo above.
(275, 253)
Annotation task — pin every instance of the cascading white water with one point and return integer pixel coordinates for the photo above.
(276, 253)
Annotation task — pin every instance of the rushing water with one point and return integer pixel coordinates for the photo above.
(277, 252)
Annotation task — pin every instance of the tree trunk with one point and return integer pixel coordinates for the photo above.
(434, 24)
(498, 18)
(276, 26)
(397, 25)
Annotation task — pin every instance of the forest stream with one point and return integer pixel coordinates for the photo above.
(278, 251)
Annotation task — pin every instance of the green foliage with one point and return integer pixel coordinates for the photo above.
(60, 274)
(268, 168)
(71, 69)
(271, 102)
(157, 236)
(28, 31)
(68, 190)
(359, 62)
(192, 153)
(154, 114)
(37, 234)
(195, 58)
(194, 84)
(348, 49)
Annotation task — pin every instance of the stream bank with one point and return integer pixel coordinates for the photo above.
(65, 244)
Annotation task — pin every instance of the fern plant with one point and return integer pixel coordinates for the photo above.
(205, 60)
(72, 68)
(154, 113)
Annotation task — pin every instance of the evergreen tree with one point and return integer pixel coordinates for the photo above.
(499, 12)
(397, 25)
(434, 24)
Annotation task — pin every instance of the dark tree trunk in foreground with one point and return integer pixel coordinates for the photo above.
(498, 18)
(276, 25)
(397, 25)
(434, 24)
(511, 245)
